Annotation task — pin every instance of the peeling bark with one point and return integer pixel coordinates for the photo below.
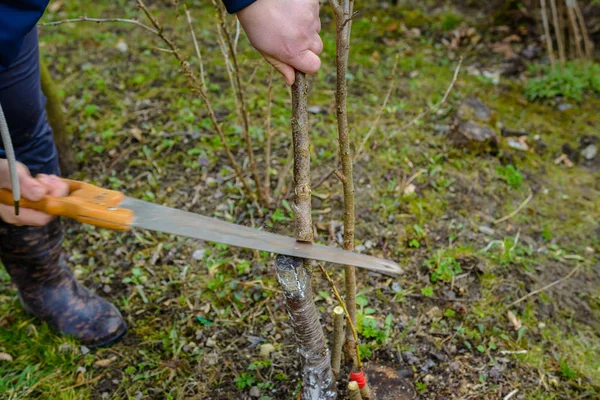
(293, 277)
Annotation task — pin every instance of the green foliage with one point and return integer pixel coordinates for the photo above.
(571, 83)
(442, 267)
(510, 175)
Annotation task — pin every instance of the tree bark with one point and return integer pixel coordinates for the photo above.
(292, 272)
(302, 205)
(318, 383)
(56, 118)
(343, 18)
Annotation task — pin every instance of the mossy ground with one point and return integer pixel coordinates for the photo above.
(138, 129)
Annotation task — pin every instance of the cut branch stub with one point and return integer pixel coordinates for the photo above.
(302, 190)
(297, 291)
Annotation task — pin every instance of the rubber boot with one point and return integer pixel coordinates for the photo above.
(48, 290)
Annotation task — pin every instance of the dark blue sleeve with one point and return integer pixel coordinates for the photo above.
(234, 6)
(17, 18)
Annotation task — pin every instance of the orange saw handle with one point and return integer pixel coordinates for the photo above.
(85, 203)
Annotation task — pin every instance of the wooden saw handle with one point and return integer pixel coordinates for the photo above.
(85, 203)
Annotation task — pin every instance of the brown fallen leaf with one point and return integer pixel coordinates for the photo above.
(5, 357)
(105, 363)
(516, 322)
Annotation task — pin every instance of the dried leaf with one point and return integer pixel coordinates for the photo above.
(80, 379)
(136, 133)
(516, 322)
(5, 357)
(105, 363)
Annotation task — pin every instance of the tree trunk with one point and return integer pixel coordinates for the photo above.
(318, 383)
(56, 118)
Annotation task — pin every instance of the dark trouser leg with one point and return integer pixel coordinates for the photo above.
(33, 255)
(23, 103)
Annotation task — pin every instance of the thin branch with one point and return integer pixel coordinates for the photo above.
(196, 87)
(198, 53)
(589, 45)
(239, 91)
(337, 295)
(515, 212)
(437, 106)
(547, 35)
(559, 34)
(381, 110)
(267, 184)
(99, 20)
(564, 278)
(575, 28)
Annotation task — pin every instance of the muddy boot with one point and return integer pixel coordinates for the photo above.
(33, 258)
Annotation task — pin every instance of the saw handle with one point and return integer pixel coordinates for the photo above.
(85, 203)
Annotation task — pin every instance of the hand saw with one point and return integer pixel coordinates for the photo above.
(110, 209)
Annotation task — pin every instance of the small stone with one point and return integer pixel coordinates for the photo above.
(486, 230)
(369, 244)
(210, 181)
(410, 358)
(84, 350)
(428, 364)
(410, 189)
(122, 46)
(590, 152)
(396, 287)
(255, 391)
(106, 289)
(211, 358)
(476, 132)
(317, 110)
(564, 106)
(6, 357)
(211, 342)
(473, 108)
(198, 255)
(266, 350)
(590, 250)
(360, 248)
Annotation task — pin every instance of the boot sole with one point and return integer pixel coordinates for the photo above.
(110, 341)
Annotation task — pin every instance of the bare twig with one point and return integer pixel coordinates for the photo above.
(511, 394)
(547, 34)
(559, 34)
(351, 324)
(196, 87)
(99, 20)
(343, 10)
(515, 212)
(267, 184)
(240, 96)
(589, 45)
(437, 106)
(375, 124)
(542, 289)
(575, 28)
(198, 53)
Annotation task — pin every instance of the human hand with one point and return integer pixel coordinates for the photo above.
(33, 189)
(286, 33)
